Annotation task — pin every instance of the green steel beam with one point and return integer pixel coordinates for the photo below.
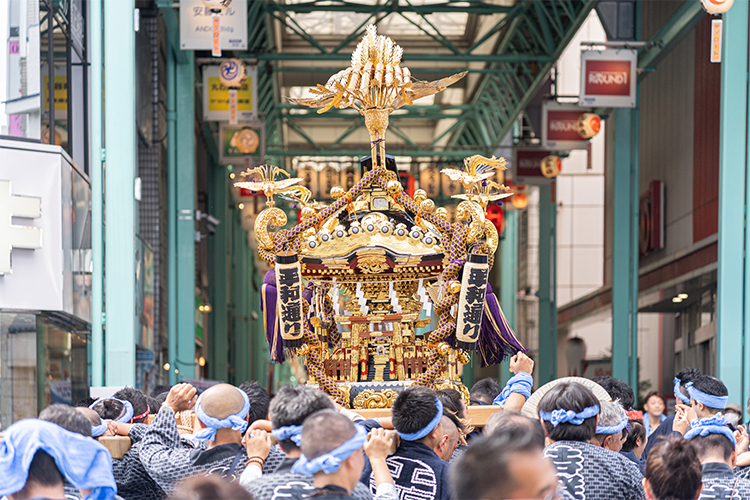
(522, 38)
(547, 362)
(733, 295)
(509, 279)
(393, 7)
(120, 157)
(280, 150)
(431, 56)
(184, 216)
(97, 198)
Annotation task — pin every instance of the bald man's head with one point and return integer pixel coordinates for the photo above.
(93, 417)
(222, 400)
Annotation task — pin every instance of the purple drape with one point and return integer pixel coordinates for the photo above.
(496, 338)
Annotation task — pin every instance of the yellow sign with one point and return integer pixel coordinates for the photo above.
(61, 93)
(716, 26)
(218, 96)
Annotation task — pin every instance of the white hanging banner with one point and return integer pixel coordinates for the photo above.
(196, 26)
(608, 78)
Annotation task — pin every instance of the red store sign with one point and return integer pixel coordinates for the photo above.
(608, 78)
(560, 126)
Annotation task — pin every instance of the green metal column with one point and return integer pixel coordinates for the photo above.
(624, 262)
(219, 340)
(185, 216)
(547, 362)
(120, 143)
(509, 278)
(97, 198)
(732, 208)
(172, 210)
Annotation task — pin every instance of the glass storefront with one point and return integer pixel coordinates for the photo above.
(43, 361)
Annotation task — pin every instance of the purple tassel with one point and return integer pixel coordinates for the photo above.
(268, 298)
(496, 338)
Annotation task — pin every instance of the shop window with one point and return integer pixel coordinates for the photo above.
(18, 367)
(63, 364)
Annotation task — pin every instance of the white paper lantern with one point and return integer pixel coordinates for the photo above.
(716, 6)
(551, 166)
(232, 73)
(589, 124)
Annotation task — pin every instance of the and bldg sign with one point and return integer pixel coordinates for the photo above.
(216, 96)
(608, 78)
(560, 126)
(49, 235)
(241, 141)
(196, 28)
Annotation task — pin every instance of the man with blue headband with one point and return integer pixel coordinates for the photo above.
(715, 442)
(667, 427)
(288, 411)
(569, 413)
(332, 447)
(222, 414)
(36, 457)
(417, 470)
(610, 430)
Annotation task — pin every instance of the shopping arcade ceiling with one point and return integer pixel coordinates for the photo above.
(507, 46)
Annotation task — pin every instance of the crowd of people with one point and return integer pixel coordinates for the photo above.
(239, 443)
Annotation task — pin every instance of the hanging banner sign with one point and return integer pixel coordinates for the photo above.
(196, 26)
(560, 126)
(716, 25)
(652, 221)
(608, 78)
(237, 142)
(216, 96)
(429, 180)
(350, 175)
(528, 166)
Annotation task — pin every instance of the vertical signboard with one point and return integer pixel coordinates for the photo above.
(216, 96)
(608, 78)
(196, 26)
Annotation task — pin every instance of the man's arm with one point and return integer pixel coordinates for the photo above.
(161, 451)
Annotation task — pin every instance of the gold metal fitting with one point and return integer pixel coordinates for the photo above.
(463, 357)
(337, 192)
(442, 213)
(427, 206)
(315, 321)
(393, 186)
(443, 348)
(419, 196)
(454, 287)
(304, 350)
(308, 212)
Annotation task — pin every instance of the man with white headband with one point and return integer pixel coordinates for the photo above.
(222, 415)
(288, 411)
(332, 454)
(416, 468)
(715, 443)
(569, 414)
(610, 430)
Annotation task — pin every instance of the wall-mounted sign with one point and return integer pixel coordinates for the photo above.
(12, 235)
(196, 26)
(236, 142)
(608, 78)
(652, 220)
(216, 96)
(560, 126)
(528, 166)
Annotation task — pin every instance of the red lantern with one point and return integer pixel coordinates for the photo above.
(496, 216)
